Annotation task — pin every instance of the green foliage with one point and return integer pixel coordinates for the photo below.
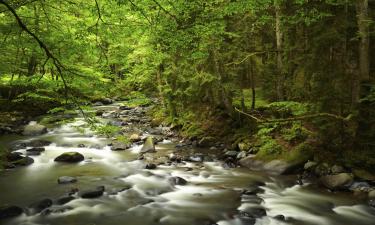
(269, 149)
(107, 130)
(287, 108)
(123, 139)
(295, 133)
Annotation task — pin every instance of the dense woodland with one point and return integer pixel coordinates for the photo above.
(285, 79)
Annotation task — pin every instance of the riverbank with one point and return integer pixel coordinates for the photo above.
(123, 161)
(216, 139)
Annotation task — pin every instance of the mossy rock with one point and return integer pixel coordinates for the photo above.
(364, 175)
(70, 157)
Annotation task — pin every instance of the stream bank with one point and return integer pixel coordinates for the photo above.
(153, 172)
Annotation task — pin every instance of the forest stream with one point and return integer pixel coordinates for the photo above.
(118, 187)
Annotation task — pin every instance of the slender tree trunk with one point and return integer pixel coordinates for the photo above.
(279, 46)
(252, 82)
(363, 73)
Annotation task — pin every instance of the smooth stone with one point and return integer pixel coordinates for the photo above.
(25, 161)
(336, 169)
(310, 165)
(177, 181)
(14, 156)
(148, 146)
(66, 180)
(337, 182)
(38, 143)
(39, 206)
(34, 129)
(70, 157)
(150, 166)
(10, 211)
(35, 151)
(120, 146)
(371, 194)
(135, 138)
(64, 199)
(92, 193)
(277, 167)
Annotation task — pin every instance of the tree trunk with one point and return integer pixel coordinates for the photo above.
(363, 74)
(279, 46)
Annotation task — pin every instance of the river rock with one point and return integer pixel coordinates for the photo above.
(106, 101)
(70, 157)
(278, 167)
(18, 146)
(337, 182)
(310, 166)
(98, 104)
(66, 180)
(38, 143)
(55, 209)
(39, 206)
(231, 154)
(35, 151)
(34, 129)
(150, 166)
(25, 161)
(371, 194)
(10, 211)
(64, 199)
(124, 107)
(14, 156)
(92, 193)
(148, 146)
(364, 175)
(241, 155)
(119, 146)
(177, 181)
(206, 142)
(336, 169)
(135, 138)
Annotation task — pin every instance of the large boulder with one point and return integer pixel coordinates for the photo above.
(35, 151)
(119, 146)
(38, 143)
(277, 167)
(33, 129)
(10, 211)
(25, 161)
(70, 157)
(39, 206)
(148, 146)
(64, 199)
(337, 182)
(95, 193)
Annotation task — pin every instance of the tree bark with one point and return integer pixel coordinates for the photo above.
(363, 73)
(279, 46)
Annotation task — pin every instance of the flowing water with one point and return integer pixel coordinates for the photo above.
(136, 196)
